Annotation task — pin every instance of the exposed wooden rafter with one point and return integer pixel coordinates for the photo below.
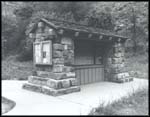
(61, 31)
(40, 24)
(31, 35)
(90, 35)
(119, 39)
(76, 34)
(100, 37)
(110, 38)
(61, 27)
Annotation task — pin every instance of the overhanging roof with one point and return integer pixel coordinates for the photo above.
(65, 25)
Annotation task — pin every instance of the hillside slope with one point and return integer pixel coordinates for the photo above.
(13, 69)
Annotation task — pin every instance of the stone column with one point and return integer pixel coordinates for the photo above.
(115, 66)
(61, 79)
(63, 59)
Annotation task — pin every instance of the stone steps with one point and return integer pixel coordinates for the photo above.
(57, 76)
(51, 75)
(52, 83)
(50, 91)
(123, 80)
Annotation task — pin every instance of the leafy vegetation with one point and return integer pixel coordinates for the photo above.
(138, 66)
(125, 18)
(12, 69)
(119, 14)
(9, 39)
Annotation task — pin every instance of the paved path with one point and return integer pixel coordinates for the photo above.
(79, 103)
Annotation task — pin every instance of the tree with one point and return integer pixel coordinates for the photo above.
(126, 18)
(100, 15)
(9, 29)
(132, 20)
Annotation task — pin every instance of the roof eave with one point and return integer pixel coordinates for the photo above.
(61, 27)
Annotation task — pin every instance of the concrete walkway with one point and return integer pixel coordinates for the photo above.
(79, 103)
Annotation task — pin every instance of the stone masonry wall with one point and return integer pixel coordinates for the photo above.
(63, 55)
(115, 64)
(58, 78)
(63, 59)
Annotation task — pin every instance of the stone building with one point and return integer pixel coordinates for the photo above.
(67, 55)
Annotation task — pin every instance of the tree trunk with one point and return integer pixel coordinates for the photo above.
(134, 32)
(134, 47)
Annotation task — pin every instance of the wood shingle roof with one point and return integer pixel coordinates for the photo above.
(57, 24)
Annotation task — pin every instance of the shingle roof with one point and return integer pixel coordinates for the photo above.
(78, 27)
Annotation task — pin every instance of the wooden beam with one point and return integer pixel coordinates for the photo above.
(51, 32)
(31, 35)
(61, 31)
(76, 34)
(90, 35)
(110, 38)
(49, 23)
(119, 39)
(40, 24)
(100, 37)
(50, 29)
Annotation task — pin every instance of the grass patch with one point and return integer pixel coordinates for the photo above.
(134, 104)
(138, 66)
(13, 69)
(7, 105)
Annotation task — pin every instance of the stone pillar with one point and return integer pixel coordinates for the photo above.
(61, 79)
(115, 65)
(63, 59)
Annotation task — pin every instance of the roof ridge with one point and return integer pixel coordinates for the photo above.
(79, 24)
(65, 21)
(85, 27)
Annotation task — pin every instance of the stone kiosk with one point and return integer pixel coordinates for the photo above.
(59, 50)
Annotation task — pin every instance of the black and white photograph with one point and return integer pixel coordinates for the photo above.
(74, 58)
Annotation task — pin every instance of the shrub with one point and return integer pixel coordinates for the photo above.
(26, 54)
(9, 30)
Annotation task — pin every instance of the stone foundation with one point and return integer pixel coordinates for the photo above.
(52, 83)
(50, 91)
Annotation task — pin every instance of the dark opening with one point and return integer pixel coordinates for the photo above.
(89, 52)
